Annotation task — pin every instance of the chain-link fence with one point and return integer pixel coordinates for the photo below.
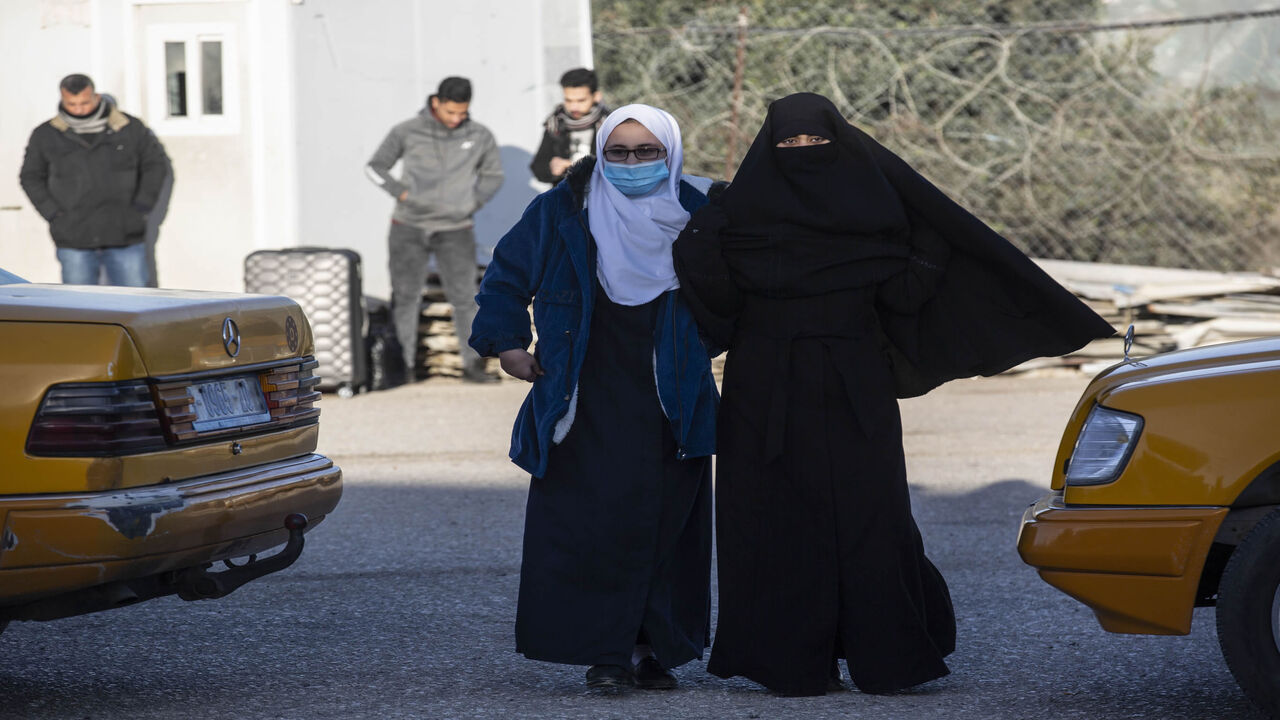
(1076, 134)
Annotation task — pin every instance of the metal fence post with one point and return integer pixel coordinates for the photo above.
(739, 69)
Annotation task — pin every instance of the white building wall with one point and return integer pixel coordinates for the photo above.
(363, 67)
(274, 153)
(42, 42)
(321, 83)
(211, 217)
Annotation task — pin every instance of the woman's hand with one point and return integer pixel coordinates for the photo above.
(519, 364)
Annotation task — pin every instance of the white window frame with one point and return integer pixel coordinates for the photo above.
(155, 79)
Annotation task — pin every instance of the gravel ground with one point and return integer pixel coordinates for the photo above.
(403, 603)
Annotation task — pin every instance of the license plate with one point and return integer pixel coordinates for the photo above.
(229, 403)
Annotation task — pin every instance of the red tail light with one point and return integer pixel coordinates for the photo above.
(291, 393)
(96, 420)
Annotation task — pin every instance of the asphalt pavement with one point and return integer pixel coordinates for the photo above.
(403, 603)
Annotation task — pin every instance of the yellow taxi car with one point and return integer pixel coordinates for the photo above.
(146, 435)
(1165, 496)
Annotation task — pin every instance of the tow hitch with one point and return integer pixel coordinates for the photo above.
(200, 584)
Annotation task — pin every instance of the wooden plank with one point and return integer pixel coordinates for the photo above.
(1135, 285)
(1221, 330)
(1214, 309)
(1137, 275)
(437, 310)
(1145, 294)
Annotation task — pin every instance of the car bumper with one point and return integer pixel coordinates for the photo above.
(53, 544)
(1137, 568)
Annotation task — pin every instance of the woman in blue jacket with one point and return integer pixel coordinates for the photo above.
(619, 425)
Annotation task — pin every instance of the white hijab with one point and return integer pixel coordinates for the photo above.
(634, 235)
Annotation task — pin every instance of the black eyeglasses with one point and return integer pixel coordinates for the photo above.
(644, 153)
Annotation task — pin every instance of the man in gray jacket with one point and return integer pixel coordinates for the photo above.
(450, 169)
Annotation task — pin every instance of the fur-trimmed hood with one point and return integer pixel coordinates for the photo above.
(578, 178)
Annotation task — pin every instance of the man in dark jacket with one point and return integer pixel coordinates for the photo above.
(94, 173)
(451, 167)
(569, 133)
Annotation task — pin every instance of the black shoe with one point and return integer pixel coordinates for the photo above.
(609, 676)
(652, 676)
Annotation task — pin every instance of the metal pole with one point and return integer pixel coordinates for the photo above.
(740, 62)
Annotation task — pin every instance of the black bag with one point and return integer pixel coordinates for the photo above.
(326, 283)
(386, 354)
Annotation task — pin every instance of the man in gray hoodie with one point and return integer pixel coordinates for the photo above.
(450, 169)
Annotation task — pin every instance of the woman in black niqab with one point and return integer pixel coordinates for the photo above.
(839, 279)
(831, 188)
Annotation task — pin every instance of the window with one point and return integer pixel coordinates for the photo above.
(175, 78)
(191, 79)
(211, 76)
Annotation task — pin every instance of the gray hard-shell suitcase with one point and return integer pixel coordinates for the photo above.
(326, 283)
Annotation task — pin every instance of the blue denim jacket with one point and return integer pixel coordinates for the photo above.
(549, 258)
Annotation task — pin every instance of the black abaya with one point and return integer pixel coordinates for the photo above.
(838, 279)
(819, 554)
(617, 543)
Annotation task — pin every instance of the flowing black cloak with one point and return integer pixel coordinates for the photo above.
(964, 301)
(837, 277)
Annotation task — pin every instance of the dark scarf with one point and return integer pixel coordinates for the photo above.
(836, 188)
(94, 122)
(561, 121)
(814, 219)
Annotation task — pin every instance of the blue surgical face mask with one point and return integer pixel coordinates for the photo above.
(638, 179)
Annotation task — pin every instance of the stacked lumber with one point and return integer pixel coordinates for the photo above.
(1169, 308)
(437, 352)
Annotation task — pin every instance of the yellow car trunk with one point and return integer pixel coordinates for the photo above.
(51, 334)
